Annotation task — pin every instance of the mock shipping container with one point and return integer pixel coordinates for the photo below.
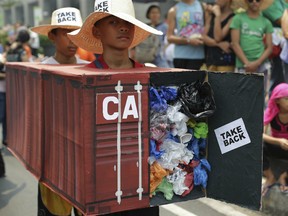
(85, 133)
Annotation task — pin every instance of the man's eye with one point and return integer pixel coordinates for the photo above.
(113, 22)
(128, 24)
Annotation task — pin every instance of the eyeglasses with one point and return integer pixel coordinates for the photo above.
(251, 1)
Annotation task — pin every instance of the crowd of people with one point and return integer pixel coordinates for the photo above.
(232, 36)
(238, 36)
(229, 36)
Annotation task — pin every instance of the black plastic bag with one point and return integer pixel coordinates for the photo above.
(197, 99)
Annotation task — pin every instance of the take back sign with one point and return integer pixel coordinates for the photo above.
(232, 136)
(107, 106)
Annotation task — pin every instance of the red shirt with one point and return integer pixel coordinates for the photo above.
(102, 64)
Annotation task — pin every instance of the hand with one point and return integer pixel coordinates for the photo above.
(196, 41)
(216, 10)
(283, 143)
(208, 7)
(251, 66)
(14, 45)
(205, 6)
(225, 46)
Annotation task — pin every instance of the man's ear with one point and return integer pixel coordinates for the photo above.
(96, 33)
(51, 36)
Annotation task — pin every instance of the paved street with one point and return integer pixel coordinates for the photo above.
(17, 190)
(18, 193)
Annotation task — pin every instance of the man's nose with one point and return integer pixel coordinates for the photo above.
(124, 29)
(125, 26)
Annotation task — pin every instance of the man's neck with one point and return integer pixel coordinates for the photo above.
(253, 14)
(118, 60)
(64, 59)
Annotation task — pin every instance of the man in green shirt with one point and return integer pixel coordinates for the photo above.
(247, 32)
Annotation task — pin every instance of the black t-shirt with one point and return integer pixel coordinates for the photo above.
(215, 55)
(15, 54)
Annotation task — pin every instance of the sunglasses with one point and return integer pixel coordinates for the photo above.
(251, 1)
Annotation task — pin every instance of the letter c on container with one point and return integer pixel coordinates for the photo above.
(106, 114)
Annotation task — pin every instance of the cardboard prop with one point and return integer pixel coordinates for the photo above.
(25, 116)
(85, 133)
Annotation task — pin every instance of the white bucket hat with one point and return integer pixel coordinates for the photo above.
(66, 18)
(122, 9)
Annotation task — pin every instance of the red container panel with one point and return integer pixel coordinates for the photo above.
(64, 151)
(24, 114)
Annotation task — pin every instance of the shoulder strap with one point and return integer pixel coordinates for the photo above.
(97, 62)
(226, 20)
(230, 16)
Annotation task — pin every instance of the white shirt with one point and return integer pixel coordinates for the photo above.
(52, 60)
(34, 40)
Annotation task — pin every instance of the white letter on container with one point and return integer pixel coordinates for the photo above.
(130, 103)
(106, 114)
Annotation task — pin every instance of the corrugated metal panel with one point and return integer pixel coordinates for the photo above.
(64, 150)
(25, 128)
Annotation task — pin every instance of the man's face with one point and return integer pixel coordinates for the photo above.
(114, 32)
(254, 5)
(62, 43)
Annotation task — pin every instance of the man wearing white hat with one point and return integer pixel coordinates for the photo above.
(111, 30)
(89, 39)
(63, 21)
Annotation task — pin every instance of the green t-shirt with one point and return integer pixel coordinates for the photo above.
(275, 10)
(252, 31)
